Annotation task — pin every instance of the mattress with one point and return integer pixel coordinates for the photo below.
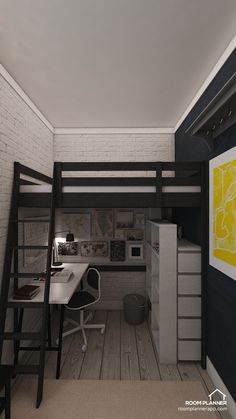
(109, 189)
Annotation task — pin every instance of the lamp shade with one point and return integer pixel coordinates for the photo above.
(70, 237)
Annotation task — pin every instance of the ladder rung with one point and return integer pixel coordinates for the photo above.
(21, 336)
(31, 247)
(26, 275)
(24, 304)
(27, 369)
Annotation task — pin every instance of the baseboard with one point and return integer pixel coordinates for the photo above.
(221, 386)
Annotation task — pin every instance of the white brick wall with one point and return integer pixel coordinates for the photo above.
(114, 147)
(23, 138)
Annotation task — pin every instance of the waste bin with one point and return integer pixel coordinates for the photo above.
(134, 308)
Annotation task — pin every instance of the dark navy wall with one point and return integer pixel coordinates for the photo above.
(221, 327)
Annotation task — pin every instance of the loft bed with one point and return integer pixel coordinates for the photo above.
(117, 185)
(152, 185)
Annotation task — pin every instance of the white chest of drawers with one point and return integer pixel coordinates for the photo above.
(189, 301)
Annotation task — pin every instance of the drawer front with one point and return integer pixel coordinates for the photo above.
(189, 328)
(189, 262)
(189, 306)
(189, 284)
(189, 350)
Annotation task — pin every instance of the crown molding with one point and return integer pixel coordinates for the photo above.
(107, 131)
(9, 79)
(214, 71)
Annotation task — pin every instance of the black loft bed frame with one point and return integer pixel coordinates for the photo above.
(186, 174)
(183, 174)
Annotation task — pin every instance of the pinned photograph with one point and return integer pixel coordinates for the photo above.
(136, 251)
(124, 219)
(94, 249)
(79, 223)
(117, 250)
(139, 219)
(103, 223)
(134, 235)
(67, 248)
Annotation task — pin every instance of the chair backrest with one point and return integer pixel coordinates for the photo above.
(93, 278)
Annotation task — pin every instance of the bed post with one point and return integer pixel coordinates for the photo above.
(205, 253)
(158, 201)
(57, 173)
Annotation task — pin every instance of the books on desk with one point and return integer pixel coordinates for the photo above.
(27, 292)
(61, 276)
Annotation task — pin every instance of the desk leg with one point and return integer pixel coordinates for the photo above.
(49, 327)
(17, 343)
(8, 399)
(60, 342)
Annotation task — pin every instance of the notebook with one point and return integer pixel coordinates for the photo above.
(27, 292)
(61, 276)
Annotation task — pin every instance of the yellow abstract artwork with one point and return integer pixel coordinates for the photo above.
(224, 212)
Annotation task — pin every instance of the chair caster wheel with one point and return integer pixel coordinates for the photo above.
(103, 331)
(84, 348)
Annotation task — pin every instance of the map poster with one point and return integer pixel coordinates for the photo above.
(222, 213)
(103, 223)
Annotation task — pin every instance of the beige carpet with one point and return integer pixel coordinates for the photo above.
(72, 399)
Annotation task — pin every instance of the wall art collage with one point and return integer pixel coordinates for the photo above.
(117, 235)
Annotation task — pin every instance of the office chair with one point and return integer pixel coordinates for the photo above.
(83, 299)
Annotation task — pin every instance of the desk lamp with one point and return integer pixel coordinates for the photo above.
(69, 238)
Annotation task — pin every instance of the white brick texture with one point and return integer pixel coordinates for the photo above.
(114, 147)
(23, 138)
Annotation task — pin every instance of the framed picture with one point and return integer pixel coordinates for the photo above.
(139, 219)
(117, 253)
(103, 223)
(67, 248)
(94, 249)
(124, 219)
(79, 223)
(222, 213)
(135, 251)
(134, 235)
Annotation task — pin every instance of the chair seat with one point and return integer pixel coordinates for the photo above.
(80, 299)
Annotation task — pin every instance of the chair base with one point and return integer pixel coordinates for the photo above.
(82, 325)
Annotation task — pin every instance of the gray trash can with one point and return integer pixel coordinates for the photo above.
(134, 308)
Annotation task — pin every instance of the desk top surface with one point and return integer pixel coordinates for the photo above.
(61, 293)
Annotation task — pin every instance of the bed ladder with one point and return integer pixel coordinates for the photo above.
(11, 272)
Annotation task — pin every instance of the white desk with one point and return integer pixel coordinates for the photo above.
(61, 293)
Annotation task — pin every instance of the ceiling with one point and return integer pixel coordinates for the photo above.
(113, 63)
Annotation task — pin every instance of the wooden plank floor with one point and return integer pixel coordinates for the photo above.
(124, 352)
